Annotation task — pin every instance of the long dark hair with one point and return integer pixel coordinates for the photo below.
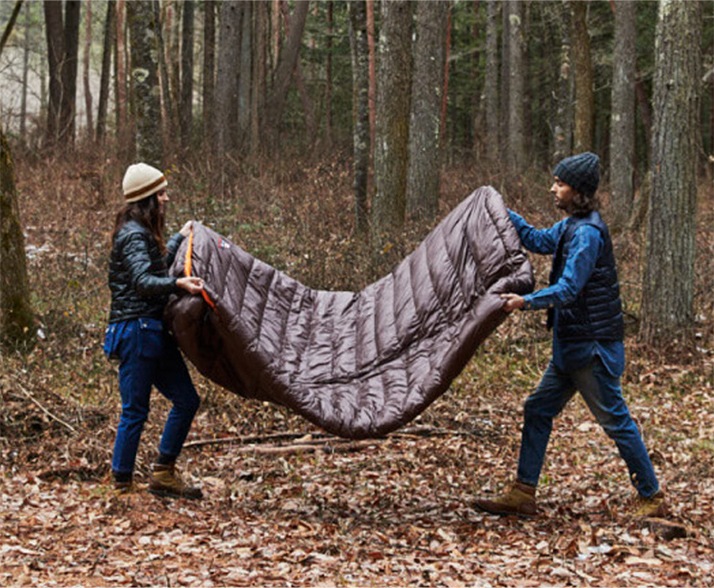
(584, 204)
(147, 213)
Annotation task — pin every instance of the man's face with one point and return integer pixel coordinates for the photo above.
(563, 194)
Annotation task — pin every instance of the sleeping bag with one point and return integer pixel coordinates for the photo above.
(357, 364)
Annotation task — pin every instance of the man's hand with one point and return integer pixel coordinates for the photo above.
(512, 302)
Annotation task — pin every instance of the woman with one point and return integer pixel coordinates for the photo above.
(140, 287)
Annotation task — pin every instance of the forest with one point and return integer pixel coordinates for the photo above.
(327, 138)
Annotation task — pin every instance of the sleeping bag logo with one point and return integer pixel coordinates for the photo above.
(223, 244)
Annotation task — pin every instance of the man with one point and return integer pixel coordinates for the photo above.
(585, 313)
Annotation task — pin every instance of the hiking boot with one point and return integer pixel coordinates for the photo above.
(655, 506)
(166, 481)
(519, 500)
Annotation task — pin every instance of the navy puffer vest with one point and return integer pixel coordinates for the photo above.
(596, 314)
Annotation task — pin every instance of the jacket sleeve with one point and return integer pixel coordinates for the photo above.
(172, 247)
(536, 240)
(138, 263)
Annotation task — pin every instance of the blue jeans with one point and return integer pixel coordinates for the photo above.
(149, 357)
(603, 395)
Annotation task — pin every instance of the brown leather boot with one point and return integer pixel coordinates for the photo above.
(519, 500)
(654, 506)
(166, 481)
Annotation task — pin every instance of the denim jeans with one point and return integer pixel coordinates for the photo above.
(149, 357)
(603, 395)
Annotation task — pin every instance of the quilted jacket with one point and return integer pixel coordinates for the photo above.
(138, 276)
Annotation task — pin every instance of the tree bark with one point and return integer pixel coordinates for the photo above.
(360, 111)
(245, 75)
(68, 109)
(287, 61)
(491, 83)
(145, 81)
(668, 281)
(622, 120)
(186, 110)
(85, 68)
(109, 29)
(516, 88)
(17, 332)
(423, 176)
(209, 68)
(393, 107)
(563, 124)
(584, 93)
(55, 54)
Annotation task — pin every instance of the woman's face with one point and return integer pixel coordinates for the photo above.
(162, 197)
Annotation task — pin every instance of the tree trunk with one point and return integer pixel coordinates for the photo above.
(360, 111)
(423, 176)
(85, 68)
(226, 116)
(145, 81)
(209, 68)
(72, 14)
(124, 132)
(287, 61)
(668, 282)
(55, 54)
(109, 29)
(372, 95)
(584, 94)
(26, 46)
(393, 106)
(328, 74)
(491, 83)
(245, 75)
(259, 72)
(17, 332)
(563, 124)
(516, 87)
(622, 120)
(186, 110)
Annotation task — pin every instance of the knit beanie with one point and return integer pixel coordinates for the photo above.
(140, 181)
(581, 171)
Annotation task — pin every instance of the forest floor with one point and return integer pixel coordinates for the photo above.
(285, 504)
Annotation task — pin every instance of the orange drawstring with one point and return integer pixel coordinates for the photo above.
(187, 269)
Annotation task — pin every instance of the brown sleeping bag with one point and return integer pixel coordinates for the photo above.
(358, 364)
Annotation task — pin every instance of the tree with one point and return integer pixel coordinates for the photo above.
(145, 81)
(55, 53)
(516, 87)
(360, 100)
(425, 119)
(584, 95)
(392, 123)
(186, 103)
(668, 282)
(563, 124)
(225, 132)
(16, 318)
(491, 84)
(622, 118)
(209, 66)
(109, 33)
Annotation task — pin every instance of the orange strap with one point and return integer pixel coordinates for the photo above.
(187, 269)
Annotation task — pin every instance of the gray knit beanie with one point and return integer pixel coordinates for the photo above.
(581, 171)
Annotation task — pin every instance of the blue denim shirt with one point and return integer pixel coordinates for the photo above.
(584, 251)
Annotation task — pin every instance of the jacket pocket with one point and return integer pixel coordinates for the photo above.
(151, 338)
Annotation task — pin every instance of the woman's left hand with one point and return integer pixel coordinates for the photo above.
(186, 229)
(191, 284)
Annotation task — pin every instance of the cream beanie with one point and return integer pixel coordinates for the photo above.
(140, 181)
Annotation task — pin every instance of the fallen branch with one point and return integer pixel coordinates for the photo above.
(316, 437)
(43, 409)
(344, 446)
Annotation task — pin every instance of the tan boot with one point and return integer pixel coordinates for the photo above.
(166, 481)
(654, 506)
(519, 500)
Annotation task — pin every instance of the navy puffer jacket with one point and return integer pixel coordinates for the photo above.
(138, 274)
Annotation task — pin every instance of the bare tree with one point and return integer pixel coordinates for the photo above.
(360, 93)
(392, 132)
(423, 176)
(186, 104)
(209, 66)
(85, 67)
(225, 132)
(17, 331)
(622, 119)
(516, 88)
(668, 281)
(584, 92)
(491, 84)
(563, 124)
(109, 32)
(145, 81)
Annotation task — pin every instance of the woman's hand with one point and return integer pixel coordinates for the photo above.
(512, 302)
(191, 284)
(186, 229)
